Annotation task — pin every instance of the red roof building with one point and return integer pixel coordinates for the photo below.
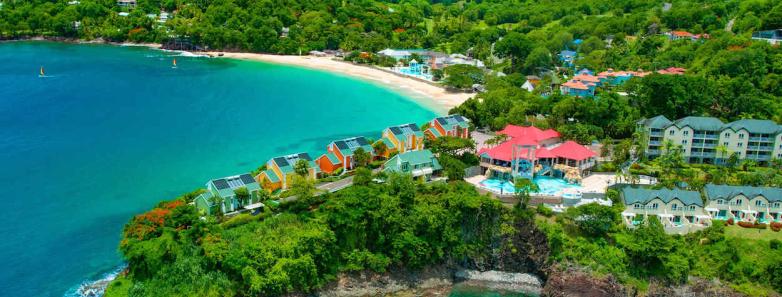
(530, 151)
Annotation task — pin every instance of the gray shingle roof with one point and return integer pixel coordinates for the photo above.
(714, 192)
(658, 122)
(632, 195)
(700, 123)
(755, 126)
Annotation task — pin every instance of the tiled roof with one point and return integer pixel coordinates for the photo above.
(714, 192)
(533, 134)
(573, 84)
(635, 194)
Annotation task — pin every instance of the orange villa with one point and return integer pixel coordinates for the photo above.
(452, 125)
(402, 138)
(340, 154)
(280, 169)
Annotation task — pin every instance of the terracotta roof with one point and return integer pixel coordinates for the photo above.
(681, 34)
(505, 152)
(586, 78)
(573, 151)
(672, 70)
(574, 84)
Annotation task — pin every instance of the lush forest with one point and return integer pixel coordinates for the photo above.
(303, 245)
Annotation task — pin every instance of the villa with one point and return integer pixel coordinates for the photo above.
(420, 163)
(567, 57)
(126, 3)
(709, 140)
(452, 125)
(744, 203)
(675, 208)
(771, 36)
(531, 83)
(225, 190)
(577, 88)
(340, 154)
(684, 35)
(279, 171)
(531, 152)
(672, 71)
(402, 138)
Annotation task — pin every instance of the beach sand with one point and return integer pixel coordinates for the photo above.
(427, 94)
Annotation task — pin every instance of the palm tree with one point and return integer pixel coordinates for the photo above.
(722, 153)
(523, 187)
(380, 148)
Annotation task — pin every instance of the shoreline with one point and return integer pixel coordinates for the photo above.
(435, 97)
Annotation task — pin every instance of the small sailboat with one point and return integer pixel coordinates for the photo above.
(43, 73)
(174, 64)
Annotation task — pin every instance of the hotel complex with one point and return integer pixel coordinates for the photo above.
(709, 140)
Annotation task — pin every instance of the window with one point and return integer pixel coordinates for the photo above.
(638, 206)
(776, 205)
(692, 207)
(740, 144)
(684, 142)
(654, 205)
(720, 202)
(726, 143)
(727, 135)
(739, 201)
(674, 206)
(759, 203)
(741, 135)
(686, 133)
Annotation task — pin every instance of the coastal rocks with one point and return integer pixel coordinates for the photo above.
(433, 281)
(502, 281)
(696, 287)
(575, 283)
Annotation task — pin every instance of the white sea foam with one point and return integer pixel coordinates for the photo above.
(94, 288)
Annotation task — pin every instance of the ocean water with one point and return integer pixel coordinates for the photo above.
(112, 130)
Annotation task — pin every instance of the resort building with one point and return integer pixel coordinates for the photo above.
(280, 170)
(684, 35)
(744, 203)
(709, 140)
(531, 82)
(771, 36)
(577, 88)
(531, 152)
(421, 163)
(453, 125)
(567, 57)
(402, 138)
(225, 190)
(676, 209)
(672, 71)
(126, 3)
(340, 154)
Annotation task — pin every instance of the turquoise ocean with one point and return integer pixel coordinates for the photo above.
(112, 130)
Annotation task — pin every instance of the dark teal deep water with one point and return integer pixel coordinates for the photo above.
(116, 129)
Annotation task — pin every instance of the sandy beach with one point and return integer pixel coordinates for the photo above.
(429, 95)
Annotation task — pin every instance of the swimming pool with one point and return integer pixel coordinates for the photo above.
(410, 72)
(548, 186)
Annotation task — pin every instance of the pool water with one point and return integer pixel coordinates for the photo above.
(408, 71)
(549, 186)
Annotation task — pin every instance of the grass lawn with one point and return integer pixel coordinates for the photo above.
(751, 233)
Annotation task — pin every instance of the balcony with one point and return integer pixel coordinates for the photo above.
(656, 133)
(652, 152)
(703, 154)
(705, 136)
(655, 142)
(761, 139)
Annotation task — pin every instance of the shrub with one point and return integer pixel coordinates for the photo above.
(544, 210)
(776, 226)
(774, 244)
(746, 224)
(760, 226)
(730, 221)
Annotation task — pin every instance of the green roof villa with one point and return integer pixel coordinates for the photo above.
(402, 138)
(744, 203)
(678, 210)
(225, 190)
(417, 163)
(709, 140)
(280, 169)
